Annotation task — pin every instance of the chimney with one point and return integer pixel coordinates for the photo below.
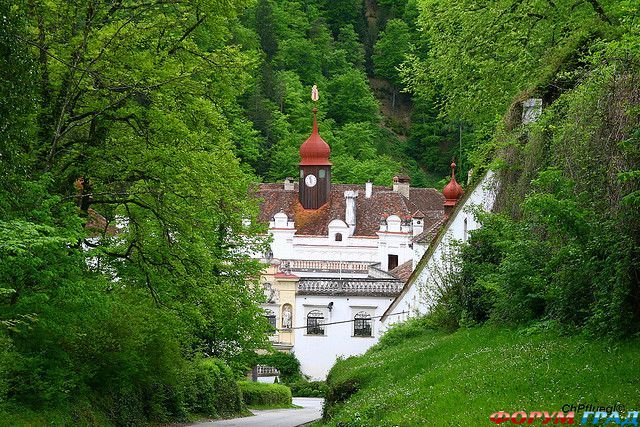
(417, 222)
(401, 184)
(350, 208)
(281, 220)
(368, 190)
(288, 184)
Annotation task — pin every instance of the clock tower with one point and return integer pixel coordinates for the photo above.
(315, 167)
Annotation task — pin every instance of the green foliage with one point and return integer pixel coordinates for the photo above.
(468, 48)
(263, 394)
(391, 50)
(303, 388)
(349, 42)
(564, 245)
(350, 99)
(121, 210)
(211, 389)
(416, 380)
(411, 328)
(286, 363)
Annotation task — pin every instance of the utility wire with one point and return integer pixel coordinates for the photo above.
(339, 322)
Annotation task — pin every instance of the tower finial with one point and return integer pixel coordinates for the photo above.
(452, 191)
(314, 98)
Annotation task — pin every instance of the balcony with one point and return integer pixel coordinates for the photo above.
(318, 266)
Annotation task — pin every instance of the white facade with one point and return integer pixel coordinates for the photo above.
(318, 353)
(392, 239)
(421, 291)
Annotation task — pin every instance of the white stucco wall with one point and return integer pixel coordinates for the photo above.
(318, 353)
(422, 293)
(393, 238)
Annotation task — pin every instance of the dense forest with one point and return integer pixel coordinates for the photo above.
(132, 131)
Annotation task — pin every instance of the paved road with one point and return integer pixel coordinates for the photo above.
(311, 410)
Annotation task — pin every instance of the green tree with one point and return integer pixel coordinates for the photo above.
(266, 28)
(126, 248)
(350, 99)
(349, 42)
(468, 47)
(390, 51)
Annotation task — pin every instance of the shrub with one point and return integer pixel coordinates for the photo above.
(254, 393)
(303, 388)
(210, 389)
(340, 391)
(286, 363)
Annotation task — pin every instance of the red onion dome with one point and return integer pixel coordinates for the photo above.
(452, 191)
(314, 151)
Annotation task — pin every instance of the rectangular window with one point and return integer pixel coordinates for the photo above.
(301, 173)
(322, 173)
(393, 262)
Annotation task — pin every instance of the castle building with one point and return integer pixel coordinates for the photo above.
(340, 255)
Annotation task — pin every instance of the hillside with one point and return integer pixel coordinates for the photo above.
(462, 378)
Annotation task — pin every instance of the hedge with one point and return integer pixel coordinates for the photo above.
(211, 389)
(305, 388)
(254, 393)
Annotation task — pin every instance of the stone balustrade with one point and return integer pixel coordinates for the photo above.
(266, 371)
(325, 266)
(365, 287)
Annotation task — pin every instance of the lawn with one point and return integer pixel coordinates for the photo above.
(462, 378)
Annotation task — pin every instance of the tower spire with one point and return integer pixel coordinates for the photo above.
(452, 191)
(315, 167)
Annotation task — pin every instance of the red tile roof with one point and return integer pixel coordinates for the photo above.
(403, 271)
(382, 203)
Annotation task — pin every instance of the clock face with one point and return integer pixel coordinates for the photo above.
(310, 180)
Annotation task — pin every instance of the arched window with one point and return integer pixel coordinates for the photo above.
(338, 237)
(362, 324)
(271, 317)
(315, 320)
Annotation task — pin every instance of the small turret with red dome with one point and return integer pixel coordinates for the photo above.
(452, 191)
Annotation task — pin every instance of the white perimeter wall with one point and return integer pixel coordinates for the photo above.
(318, 353)
(421, 295)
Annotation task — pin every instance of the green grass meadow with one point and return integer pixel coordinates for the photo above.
(460, 379)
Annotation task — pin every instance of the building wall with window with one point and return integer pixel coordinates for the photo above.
(318, 352)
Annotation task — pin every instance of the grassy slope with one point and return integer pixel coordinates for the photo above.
(462, 378)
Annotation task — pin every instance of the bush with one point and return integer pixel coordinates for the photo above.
(254, 393)
(210, 389)
(303, 388)
(286, 363)
(340, 391)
